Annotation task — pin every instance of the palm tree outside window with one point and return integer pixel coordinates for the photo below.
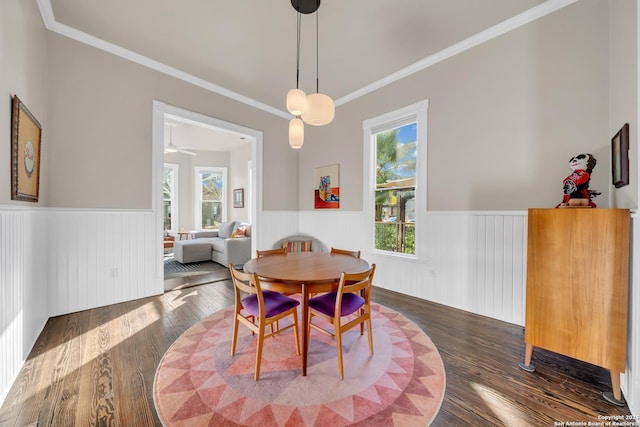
(395, 214)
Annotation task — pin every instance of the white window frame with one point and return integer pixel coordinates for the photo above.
(413, 113)
(175, 169)
(198, 192)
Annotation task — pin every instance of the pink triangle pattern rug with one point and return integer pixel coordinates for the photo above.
(199, 383)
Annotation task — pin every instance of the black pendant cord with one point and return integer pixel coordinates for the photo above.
(298, 51)
(317, 55)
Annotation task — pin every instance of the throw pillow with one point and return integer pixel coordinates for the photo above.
(297, 245)
(225, 229)
(239, 232)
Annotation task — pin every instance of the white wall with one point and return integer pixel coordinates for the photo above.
(239, 179)
(100, 107)
(23, 59)
(23, 253)
(623, 90)
(505, 117)
(24, 291)
(98, 258)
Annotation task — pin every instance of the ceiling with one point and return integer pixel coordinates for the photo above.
(246, 49)
(194, 136)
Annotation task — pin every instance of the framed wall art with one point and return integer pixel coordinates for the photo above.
(26, 134)
(327, 191)
(620, 157)
(238, 198)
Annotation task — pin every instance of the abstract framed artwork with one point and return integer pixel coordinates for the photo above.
(26, 134)
(327, 187)
(238, 198)
(620, 157)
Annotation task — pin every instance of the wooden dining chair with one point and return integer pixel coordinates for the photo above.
(351, 302)
(259, 309)
(267, 252)
(345, 252)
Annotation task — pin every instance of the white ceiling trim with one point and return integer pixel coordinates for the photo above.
(550, 6)
(512, 23)
(46, 11)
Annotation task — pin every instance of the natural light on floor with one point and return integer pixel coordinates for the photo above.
(97, 335)
(500, 406)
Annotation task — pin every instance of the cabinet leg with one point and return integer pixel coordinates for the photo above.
(526, 365)
(615, 395)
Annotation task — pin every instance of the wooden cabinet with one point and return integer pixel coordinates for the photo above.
(577, 285)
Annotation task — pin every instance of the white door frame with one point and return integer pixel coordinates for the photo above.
(160, 109)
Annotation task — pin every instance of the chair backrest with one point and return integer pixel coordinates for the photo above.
(278, 251)
(355, 282)
(245, 282)
(345, 252)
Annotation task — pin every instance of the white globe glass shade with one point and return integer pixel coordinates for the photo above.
(296, 133)
(321, 110)
(296, 102)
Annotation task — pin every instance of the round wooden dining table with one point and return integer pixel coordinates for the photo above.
(306, 273)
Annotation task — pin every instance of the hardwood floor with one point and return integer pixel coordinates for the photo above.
(96, 367)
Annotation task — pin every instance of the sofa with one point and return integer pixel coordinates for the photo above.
(229, 244)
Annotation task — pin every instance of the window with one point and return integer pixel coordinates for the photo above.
(211, 196)
(170, 197)
(395, 171)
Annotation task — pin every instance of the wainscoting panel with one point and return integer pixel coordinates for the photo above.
(100, 258)
(475, 261)
(497, 273)
(273, 226)
(23, 288)
(57, 261)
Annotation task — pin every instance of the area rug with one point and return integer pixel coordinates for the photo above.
(199, 383)
(179, 276)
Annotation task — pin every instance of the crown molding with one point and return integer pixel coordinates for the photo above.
(503, 27)
(46, 11)
(549, 6)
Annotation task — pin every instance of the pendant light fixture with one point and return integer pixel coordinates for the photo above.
(296, 133)
(314, 109)
(321, 108)
(296, 98)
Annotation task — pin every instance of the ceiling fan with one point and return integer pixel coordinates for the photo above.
(171, 147)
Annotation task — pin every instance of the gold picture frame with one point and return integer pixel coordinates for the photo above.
(26, 135)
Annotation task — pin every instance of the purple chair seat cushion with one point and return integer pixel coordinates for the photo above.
(326, 303)
(274, 303)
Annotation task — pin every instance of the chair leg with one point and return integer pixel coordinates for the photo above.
(253, 320)
(234, 338)
(295, 333)
(259, 352)
(370, 335)
(339, 348)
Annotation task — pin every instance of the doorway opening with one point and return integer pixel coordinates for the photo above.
(189, 140)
